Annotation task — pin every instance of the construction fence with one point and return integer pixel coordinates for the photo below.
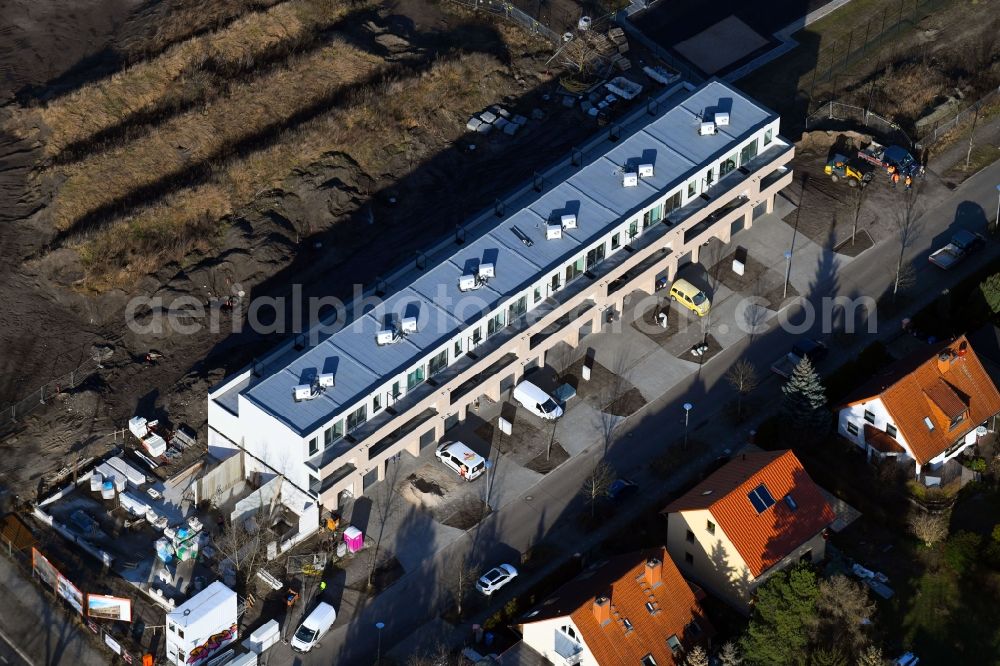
(965, 116)
(837, 115)
(509, 11)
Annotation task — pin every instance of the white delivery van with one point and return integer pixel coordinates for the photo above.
(313, 628)
(537, 401)
(462, 459)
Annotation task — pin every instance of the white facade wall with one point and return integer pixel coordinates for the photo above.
(541, 637)
(855, 414)
(273, 443)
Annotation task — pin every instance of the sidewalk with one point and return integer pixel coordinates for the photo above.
(35, 625)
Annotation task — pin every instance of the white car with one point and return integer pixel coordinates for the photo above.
(496, 578)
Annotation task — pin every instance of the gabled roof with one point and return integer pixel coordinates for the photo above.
(935, 396)
(623, 581)
(762, 538)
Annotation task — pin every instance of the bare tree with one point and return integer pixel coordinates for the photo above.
(844, 609)
(906, 276)
(437, 655)
(460, 578)
(871, 656)
(243, 543)
(612, 394)
(742, 376)
(696, 657)
(972, 137)
(384, 501)
(729, 655)
(597, 484)
(859, 202)
(907, 229)
(928, 527)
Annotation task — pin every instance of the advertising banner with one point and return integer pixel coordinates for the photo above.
(104, 607)
(62, 585)
(115, 646)
(70, 593)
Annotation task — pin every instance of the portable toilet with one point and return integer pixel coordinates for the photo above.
(354, 539)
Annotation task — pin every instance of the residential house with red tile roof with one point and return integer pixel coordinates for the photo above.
(632, 609)
(757, 514)
(925, 409)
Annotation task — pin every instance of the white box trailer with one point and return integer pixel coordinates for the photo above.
(134, 476)
(207, 620)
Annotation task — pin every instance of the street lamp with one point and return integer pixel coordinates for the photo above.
(380, 626)
(788, 272)
(687, 415)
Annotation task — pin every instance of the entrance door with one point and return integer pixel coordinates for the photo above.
(760, 209)
(370, 478)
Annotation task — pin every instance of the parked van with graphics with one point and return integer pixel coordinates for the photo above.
(537, 401)
(456, 455)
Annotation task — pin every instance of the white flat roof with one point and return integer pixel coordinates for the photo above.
(593, 192)
(203, 605)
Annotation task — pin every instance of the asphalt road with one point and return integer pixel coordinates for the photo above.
(418, 597)
(9, 654)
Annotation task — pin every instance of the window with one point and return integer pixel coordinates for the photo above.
(574, 270)
(768, 136)
(333, 433)
(870, 417)
(652, 216)
(313, 446)
(928, 423)
(693, 189)
(651, 608)
(628, 625)
(955, 421)
(761, 498)
(595, 256)
(556, 283)
(517, 308)
(709, 177)
(458, 348)
(376, 404)
(790, 501)
(689, 558)
(633, 229)
(710, 527)
(357, 417)
(648, 660)
(807, 556)
(437, 363)
(494, 324)
(674, 644)
(672, 203)
(690, 536)
(727, 165)
(477, 336)
(891, 430)
(616, 241)
(395, 391)
(536, 296)
(749, 152)
(414, 378)
(569, 631)
(852, 427)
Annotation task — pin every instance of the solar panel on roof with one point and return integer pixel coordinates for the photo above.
(760, 498)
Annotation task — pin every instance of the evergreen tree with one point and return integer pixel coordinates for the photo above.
(729, 655)
(871, 656)
(696, 657)
(805, 397)
(783, 617)
(829, 657)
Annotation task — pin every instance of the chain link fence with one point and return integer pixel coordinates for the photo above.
(837, 115)
(942, 128)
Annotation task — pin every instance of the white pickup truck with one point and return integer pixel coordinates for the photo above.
(962, 244)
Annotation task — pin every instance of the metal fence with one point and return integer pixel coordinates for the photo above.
(940, 129)
(834, 115)
(509, 11)
(12, 414)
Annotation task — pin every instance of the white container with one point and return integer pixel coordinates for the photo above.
(155, 445)
(137, 426)
(96, 481)
(134, 477)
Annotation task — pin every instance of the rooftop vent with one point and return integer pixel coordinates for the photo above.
(387, 336)
(721, 119)
(568, 221)
(553, 231)
(707, 127)
(467, 283)
(630, 179)
(327, 380)
(486, 271)
(303, 392)
(409, 325)
(645, 171)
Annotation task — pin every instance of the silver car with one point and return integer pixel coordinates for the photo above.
(495, 578)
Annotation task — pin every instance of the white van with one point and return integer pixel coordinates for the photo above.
(313, 628)
(537, 401)
(462, 459)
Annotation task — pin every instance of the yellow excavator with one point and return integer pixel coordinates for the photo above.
(853, 170)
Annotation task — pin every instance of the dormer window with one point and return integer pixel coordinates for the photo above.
(674, 644)
(957, 420)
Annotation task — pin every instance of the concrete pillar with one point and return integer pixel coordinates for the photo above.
(770, 204)
(694, 254)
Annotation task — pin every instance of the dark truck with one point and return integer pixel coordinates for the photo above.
(895, 156)
(814, 350)
(962, 244)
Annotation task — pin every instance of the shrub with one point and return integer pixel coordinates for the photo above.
(960, 550)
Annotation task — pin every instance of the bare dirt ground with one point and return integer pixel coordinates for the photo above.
(324, 225)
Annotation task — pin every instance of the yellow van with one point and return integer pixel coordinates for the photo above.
(690, 297)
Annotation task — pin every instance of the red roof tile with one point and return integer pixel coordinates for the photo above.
(945, 383)
(623, 581)
(761, 539)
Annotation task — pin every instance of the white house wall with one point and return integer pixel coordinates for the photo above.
(856, 414)
(540, 637)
